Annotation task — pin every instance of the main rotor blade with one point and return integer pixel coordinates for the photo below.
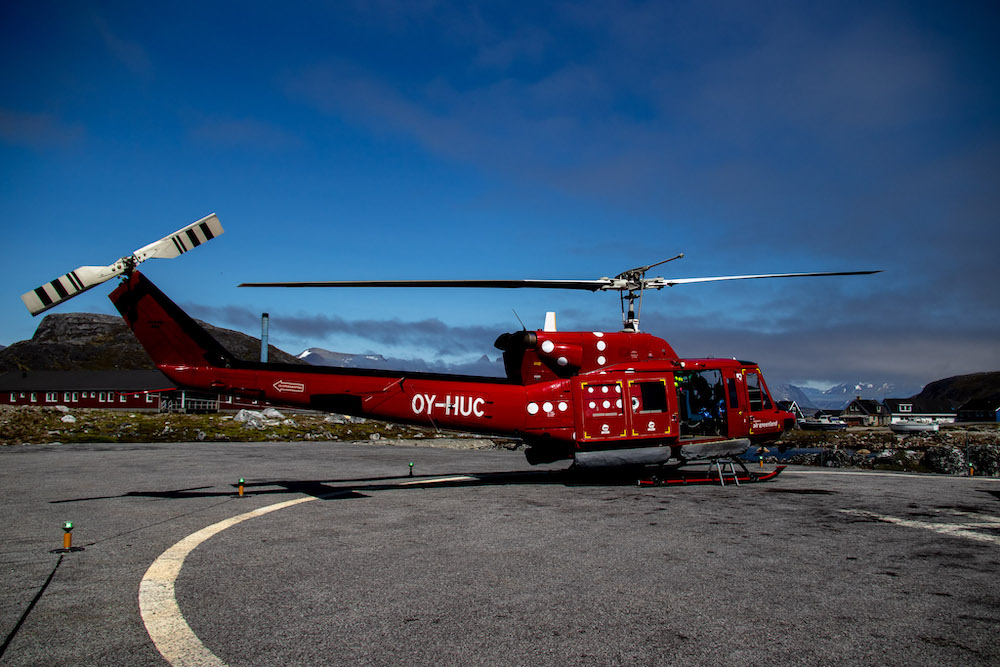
(590, 285)
(658, 283)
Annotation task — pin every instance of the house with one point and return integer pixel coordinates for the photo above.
(865, 412)
(793, 407)
(129, 390)
(939, 411)
(979, 410)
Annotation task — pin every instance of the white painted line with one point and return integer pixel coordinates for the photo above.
(164, 622)
(439, 480)
(887, 474)
(954, 529)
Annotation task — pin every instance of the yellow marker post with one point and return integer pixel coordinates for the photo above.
(241, 487)
(68, 535)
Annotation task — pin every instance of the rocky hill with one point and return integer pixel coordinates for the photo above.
(962, 388)
(86, 341)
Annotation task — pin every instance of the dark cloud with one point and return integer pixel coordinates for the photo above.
(428, 334)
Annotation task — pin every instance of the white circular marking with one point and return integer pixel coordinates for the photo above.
(562, 361)
(592, 405)
(546, 407)
(532, 408)
(606, 404)
(604, 389)
(563, 406)
(618, 404)
(601, 361)
(590, 390)
(601, 346)
(548, 346)
(171, 634)
(635, 402)
(598, 334)
(618, 388)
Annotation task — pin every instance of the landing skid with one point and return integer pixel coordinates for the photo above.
(718, 471)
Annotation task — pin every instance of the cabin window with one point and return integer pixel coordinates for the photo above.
(51, 396)
(651, 397)
(34, 397)
(76, 397)
(905, 407)
(122, 398)
(13, 397)
(149, 398)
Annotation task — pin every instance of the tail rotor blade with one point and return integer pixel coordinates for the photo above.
(67, 286)
(182, 240)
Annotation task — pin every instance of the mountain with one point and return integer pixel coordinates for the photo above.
(962, 388)
(87, 341)
(789, 392)
(481, 367)
(838, 396)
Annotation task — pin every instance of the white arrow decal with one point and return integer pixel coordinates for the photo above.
(293, 387)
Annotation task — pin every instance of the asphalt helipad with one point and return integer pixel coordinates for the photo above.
(337, 556)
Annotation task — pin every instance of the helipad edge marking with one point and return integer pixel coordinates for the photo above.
(953, 529)
(171, 634)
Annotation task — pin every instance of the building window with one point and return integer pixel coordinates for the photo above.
(122, 398)
(149, 398)
(13, 397)
(51, 396)
(75, 397)
(906, 407)
(34, 397)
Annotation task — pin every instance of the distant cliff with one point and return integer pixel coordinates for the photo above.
(86, 341)
(962, 388)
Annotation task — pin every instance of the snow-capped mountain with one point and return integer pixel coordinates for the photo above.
(840, 395)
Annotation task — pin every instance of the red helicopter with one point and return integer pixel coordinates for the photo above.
(600, 399)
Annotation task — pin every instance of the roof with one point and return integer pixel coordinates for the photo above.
(921, 406)
(867, 405)
(84, 381)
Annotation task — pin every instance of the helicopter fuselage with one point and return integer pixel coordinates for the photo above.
(600, 398)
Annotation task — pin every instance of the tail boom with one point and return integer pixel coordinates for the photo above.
(187, 354)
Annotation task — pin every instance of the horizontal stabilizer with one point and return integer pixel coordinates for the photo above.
(67, 286)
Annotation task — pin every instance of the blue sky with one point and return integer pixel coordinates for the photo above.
(554, 140)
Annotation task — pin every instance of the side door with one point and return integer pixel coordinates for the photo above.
(738, 412)
(602, 409)
(652, 405)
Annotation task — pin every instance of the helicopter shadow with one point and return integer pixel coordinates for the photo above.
(340, 489)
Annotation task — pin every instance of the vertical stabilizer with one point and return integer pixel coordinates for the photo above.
(169, 335)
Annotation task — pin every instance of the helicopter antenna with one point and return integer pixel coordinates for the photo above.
(523, 328)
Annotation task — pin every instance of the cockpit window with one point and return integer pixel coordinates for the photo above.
(759, 400)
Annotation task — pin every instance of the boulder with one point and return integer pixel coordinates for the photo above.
(944, 459)
(984, 459)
